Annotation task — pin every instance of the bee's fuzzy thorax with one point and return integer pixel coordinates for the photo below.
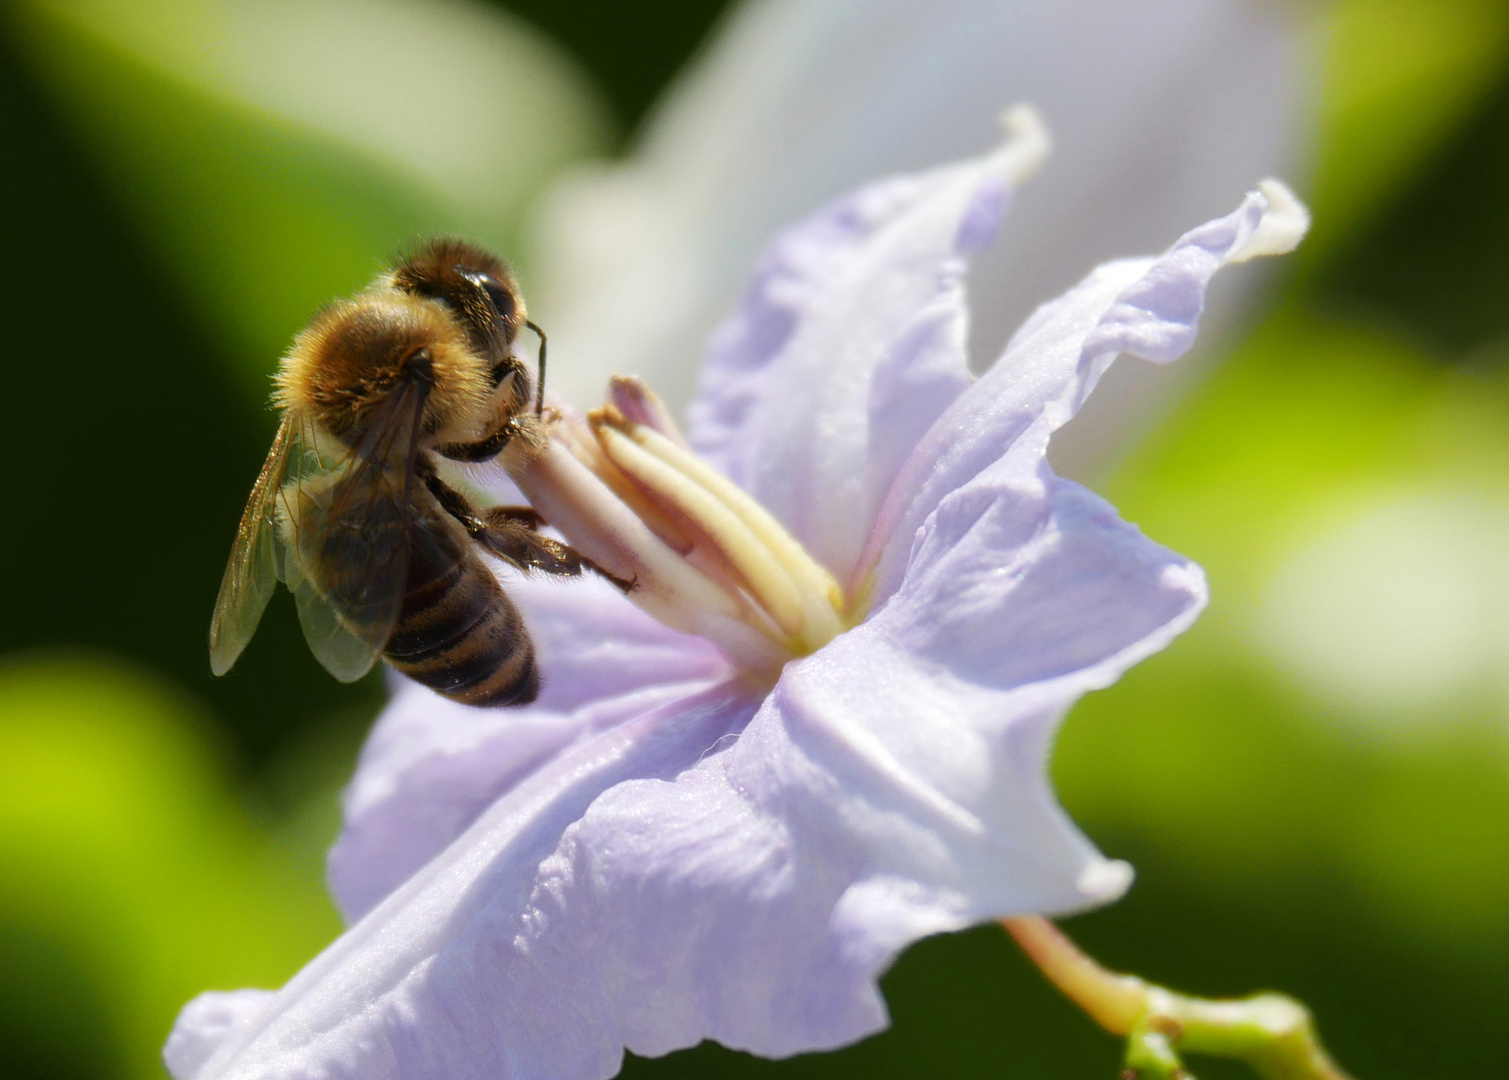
(356, 351)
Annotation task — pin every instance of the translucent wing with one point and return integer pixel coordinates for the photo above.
(345, 518)
(251, 574)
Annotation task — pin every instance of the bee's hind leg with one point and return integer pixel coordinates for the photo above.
(512, 534)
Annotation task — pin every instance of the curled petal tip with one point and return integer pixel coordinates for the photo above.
(1027, 142)
(1105, 880)
(1283, 226)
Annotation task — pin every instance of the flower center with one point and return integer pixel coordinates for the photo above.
(704, 557)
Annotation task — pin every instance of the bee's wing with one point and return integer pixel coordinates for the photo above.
(345, 550)
(251, 574)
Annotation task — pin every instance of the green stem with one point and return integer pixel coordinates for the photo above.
(1272, 1033)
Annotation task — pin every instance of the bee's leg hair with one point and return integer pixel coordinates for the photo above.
(511, 533)
(484, 450)
(526, 516)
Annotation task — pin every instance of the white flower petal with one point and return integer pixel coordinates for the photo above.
(1148, 307)
(892, 786)
(208, 1021)
(849, 344)
(591, 643)
(883, 793)
(1160, 110)
(443, 978)
(431, 766)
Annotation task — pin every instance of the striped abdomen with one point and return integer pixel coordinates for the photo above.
(458, 632)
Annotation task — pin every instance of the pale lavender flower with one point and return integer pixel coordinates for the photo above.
(731, 834)
(1161, 110)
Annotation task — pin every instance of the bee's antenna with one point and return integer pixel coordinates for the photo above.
(539, 395)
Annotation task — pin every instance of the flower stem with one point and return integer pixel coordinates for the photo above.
(1272, 1033)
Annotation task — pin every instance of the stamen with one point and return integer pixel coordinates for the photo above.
(761, 573)
(817, 592)
(577, 435)
(666, 586)
(706, 558)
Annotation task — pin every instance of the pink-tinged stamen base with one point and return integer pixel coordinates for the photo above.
(632, 396)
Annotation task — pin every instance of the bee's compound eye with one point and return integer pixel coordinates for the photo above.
(502, 298)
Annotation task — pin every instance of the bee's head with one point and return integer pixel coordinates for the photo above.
(476, 287)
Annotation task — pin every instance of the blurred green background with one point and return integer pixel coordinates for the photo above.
(1314, 783)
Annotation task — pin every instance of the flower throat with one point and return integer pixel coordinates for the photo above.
(705, 557)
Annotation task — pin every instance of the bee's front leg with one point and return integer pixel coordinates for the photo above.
(486, 449)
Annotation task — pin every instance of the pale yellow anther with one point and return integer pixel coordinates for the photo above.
(590, 452)
(761, 572)
(702, 555)
(819, 594)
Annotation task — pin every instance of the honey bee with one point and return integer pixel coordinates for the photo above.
(352, 510)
